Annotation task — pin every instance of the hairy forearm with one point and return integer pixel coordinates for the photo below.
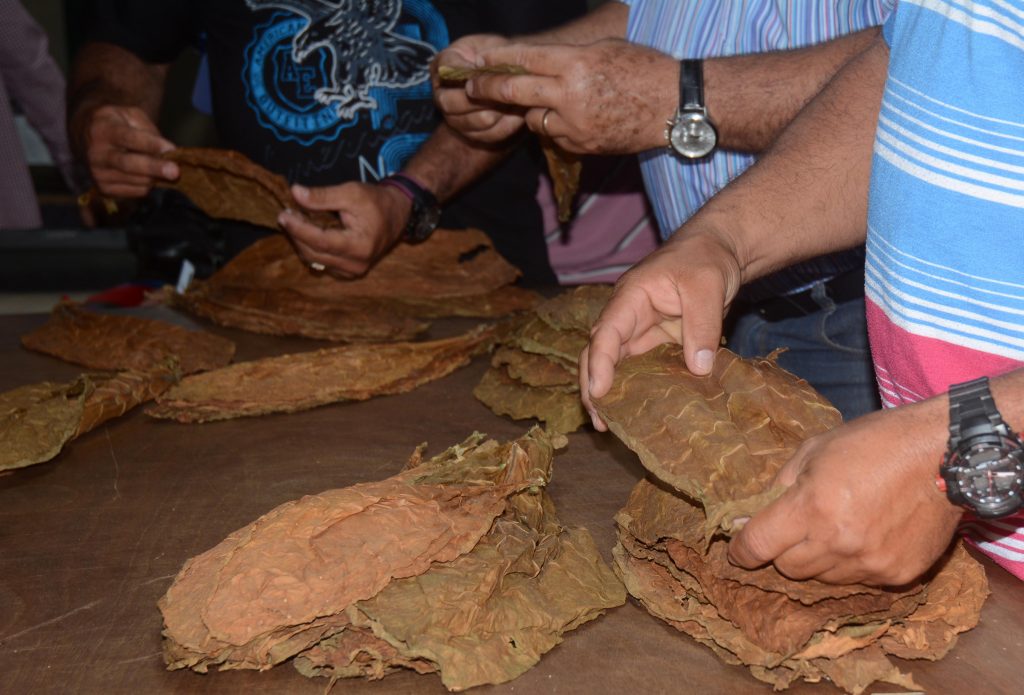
(605, 22)
(752, 98)
(808, 195)
(104, 74)
(447, 162)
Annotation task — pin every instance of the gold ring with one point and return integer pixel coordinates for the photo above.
(544, 122)
(317, 267)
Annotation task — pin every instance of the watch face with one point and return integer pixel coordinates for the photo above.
(692, 135)
(425, 221)
(990, 477)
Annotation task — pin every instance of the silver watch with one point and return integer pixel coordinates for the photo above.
(691, 133)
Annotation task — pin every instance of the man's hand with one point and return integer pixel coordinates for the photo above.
(371, 221)
(862, 505)
(123, 150)
(483, 121)
(679, 293)
(610, 97)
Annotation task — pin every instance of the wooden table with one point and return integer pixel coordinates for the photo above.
(90, 541)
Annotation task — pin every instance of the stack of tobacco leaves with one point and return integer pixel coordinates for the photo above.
(290, 383)
(534, 372)
(268, 289)
(711, 446)
(141, 358)
(456, 565)
(228, 185)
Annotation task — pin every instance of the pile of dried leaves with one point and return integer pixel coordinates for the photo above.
(534, 371)
(457, 565)
(712, 446)
(142, 359)
(300, 381)
(268, 289)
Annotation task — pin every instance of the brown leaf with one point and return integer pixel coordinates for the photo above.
(565, 169)
(227, 184)
(114, 343)
(534, 370)
(460, 75)
(290, 383)
(718, 439)
(562, 411)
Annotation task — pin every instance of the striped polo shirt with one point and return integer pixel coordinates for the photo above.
(945, 251)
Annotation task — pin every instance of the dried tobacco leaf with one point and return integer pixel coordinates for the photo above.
(287, 312)
(561, 410)
(460, 75)
(37, 421)
(565, 169)
(449, 264)
(227, 184)
(456, 565)
(718, 439)
(111, 343)
(576, 310)
(534, 370)
(290, 383)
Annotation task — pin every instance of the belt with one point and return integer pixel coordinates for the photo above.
(841, 288)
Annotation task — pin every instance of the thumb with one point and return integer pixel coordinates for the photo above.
(769, 533)
(701, 332)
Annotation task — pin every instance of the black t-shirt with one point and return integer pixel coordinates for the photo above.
(326, 92)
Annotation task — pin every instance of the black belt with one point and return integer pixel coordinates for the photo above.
(842, 288)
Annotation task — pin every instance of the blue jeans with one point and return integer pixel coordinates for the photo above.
(828, 348)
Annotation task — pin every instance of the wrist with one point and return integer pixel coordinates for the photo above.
(399, 210)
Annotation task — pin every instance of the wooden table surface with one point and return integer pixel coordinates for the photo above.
(90, 541)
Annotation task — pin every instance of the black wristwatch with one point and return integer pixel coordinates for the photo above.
(983, 468)
(426, 212)
(691, 133)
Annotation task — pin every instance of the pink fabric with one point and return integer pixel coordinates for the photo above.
(612, 228)
(899, 358)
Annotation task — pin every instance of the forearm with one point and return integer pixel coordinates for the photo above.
(447, 162)
(605, 22)
(752, 98)
(808, 195)
(106, 74)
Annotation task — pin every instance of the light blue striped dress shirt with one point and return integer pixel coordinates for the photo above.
(717, 28)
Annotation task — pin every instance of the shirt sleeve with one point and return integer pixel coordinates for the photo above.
(157, 31)
(34, 81)
(890, 26)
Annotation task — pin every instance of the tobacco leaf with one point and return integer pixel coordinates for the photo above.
(291, 383)
(562, 411)
(453, 74)
(565, 169)
(718, 439)
(287, 312)
(534, 370)
(577, 309)
(112, 343)
(456, 564)
(228, 185)
(36, 421)
(448, 264)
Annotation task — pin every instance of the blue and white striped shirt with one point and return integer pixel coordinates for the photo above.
(718, 28)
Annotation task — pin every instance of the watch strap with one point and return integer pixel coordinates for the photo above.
(422, 201)
(691, 85)
(972, 411)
